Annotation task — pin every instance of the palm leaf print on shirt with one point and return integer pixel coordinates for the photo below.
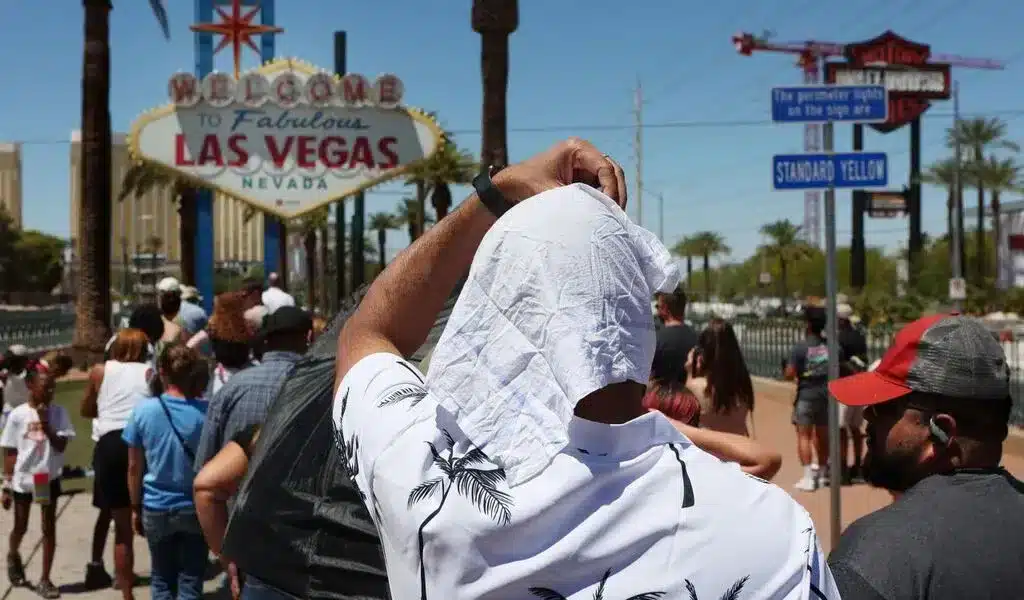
(733, 593)
(462, 473)
(550, 594)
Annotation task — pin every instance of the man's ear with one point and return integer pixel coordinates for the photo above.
(942, 429)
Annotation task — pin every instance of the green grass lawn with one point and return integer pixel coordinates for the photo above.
(79, 451)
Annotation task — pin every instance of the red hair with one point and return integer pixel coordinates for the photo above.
(674, 401)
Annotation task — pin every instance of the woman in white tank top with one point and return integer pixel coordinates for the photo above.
(115, 387)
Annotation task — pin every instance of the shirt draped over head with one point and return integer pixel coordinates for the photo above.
(557, 305)
(484, 485)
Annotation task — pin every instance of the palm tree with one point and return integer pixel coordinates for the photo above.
(942, 173)
(449, 166)
(1000, 176)
(785, 245)
(308, 225)
(140, 179)
(382, 222)
(92, 304)
(408, 213)
(461, 473)
(494, 20)
(707, 244)
(685, 248)
(978, 136)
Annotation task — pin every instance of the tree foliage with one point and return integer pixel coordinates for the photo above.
(30, 260)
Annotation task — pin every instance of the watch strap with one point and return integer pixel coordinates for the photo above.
(489, 194)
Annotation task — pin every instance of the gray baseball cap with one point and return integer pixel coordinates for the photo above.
(946, 355)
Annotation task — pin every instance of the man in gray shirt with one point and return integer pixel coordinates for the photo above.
(937, 408)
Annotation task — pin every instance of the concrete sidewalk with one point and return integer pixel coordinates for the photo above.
(75, 519)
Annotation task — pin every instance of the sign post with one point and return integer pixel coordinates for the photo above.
(828, 104)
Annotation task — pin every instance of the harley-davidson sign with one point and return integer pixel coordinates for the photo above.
(902, 67)
(286, 138)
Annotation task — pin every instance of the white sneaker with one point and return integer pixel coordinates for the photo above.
(824, 476)
(809, 482)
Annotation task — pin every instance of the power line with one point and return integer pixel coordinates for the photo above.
(701, 124)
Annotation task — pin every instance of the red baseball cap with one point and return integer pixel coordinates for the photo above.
(947, 355)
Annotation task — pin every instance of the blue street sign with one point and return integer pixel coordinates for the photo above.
(825, 103)
(822, 171)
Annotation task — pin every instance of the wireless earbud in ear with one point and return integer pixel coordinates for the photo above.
(937, 433)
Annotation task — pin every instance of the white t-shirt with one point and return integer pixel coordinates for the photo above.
(123, 386)
(625, 511)
(35, 455)
(15, 392)
(274, 298)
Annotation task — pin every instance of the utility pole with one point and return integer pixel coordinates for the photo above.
(340, 68)
(957, 239)
(638, 112)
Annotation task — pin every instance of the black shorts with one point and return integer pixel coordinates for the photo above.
(27, 497)
(110, 465)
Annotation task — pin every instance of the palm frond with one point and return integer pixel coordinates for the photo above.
(599, 592)
(474, 456)
(160, 12)
(647, 596)
(691, 590)
(546, 593)
(448, 439)
(733, 593)
(479, 487)
(441, 462)
(425, 490)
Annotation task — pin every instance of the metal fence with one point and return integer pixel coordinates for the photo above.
(766, 344)
(40, 330)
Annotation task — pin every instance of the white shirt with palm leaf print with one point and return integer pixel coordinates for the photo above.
(626, 512)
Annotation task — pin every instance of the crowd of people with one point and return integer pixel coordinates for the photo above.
(564, 441)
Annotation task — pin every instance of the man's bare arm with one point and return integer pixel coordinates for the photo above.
(400, 307)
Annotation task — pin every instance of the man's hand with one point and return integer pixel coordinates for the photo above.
(234, 581)
(137, 525)
(5, 499)
(571, 161)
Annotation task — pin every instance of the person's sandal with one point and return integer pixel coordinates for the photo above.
(15, 570)
(47, 590)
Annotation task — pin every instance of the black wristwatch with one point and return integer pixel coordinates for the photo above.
(489, 194)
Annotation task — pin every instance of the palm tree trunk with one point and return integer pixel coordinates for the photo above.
(494, 72)
(979, 236)
(707, 278)
(689, 271)
(92, 305)
(382, 238)
(950, 222)
(423, 542)
(309, 249)
(441, 198)
(187, 232)
(997, 231)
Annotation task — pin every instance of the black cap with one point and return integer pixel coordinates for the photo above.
(287, 319)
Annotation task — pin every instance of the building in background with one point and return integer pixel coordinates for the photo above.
(10, 181)
(150, 224)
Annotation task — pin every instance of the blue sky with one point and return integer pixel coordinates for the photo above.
(574, 64)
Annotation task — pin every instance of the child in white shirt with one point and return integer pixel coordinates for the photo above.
(34, 439)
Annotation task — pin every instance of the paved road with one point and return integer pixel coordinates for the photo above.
(772, 427)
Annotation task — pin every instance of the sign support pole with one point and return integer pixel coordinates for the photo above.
(272, 230)
(204, 196)
(340, 68)
(832, 337)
